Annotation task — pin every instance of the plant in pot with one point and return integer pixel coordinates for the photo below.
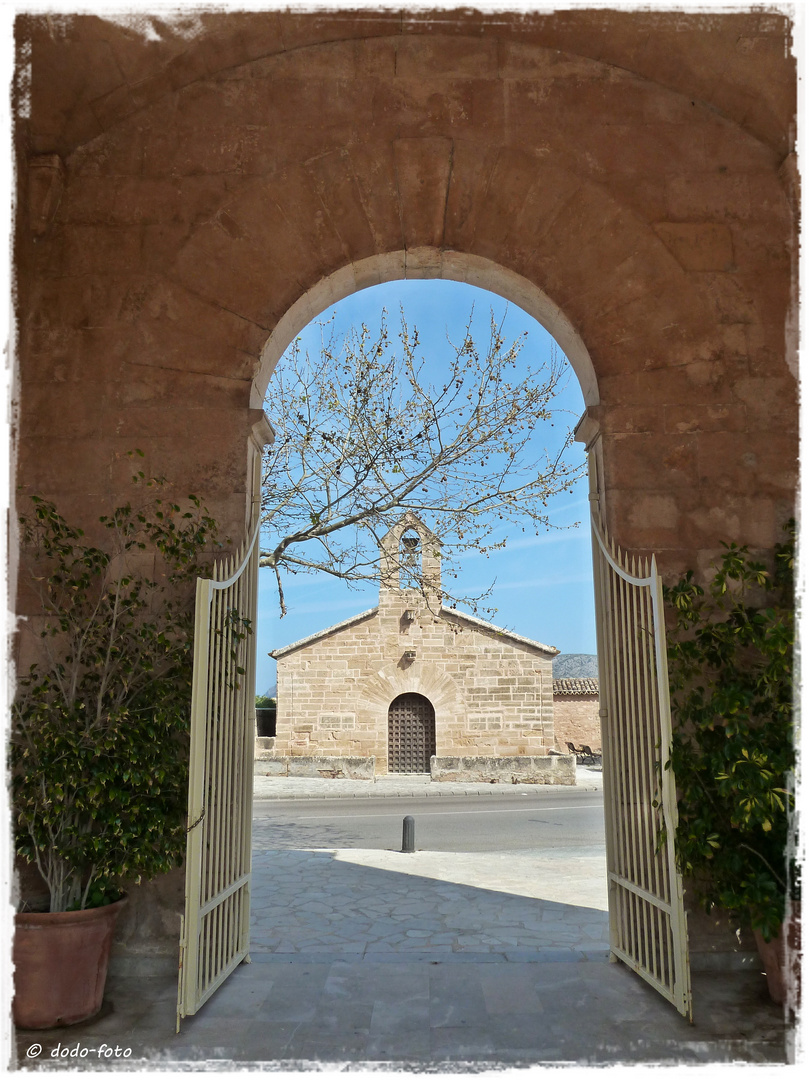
(731, 674)
(99, 755)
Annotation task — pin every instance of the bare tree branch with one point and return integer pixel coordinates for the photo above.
(363, 435)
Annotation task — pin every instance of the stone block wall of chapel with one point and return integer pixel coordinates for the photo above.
(491, 697)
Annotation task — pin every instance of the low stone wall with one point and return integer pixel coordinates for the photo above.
(317, 768)
(549, 769)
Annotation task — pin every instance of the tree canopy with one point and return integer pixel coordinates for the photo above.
(363, 434)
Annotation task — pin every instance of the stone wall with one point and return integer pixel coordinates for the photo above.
(314, 768)
(549, 769)
(576, 716)
(626, 177)
(491, 695)
(215, 191)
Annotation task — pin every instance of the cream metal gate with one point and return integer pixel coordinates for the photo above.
(216, 924)
(645, 890)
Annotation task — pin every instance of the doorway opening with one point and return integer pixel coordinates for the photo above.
(509, 683)
(411, 734)
(343, 722)
(555, 566)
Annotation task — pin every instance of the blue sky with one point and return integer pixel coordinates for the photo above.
(543, 584)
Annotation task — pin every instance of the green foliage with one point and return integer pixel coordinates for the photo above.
(100, 726)
(265, 702)
(731, 678)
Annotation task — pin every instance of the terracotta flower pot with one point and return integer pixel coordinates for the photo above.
(781, 958)
(60, 965)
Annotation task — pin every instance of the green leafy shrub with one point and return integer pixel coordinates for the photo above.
(731, 680)
(99, 735)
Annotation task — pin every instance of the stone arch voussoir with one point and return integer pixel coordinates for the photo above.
(429, 680)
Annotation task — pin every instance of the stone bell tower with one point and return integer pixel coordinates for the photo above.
(409, 550)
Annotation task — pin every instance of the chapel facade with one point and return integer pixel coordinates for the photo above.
(412, 686)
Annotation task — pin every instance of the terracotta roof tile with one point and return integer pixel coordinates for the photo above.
(576, 686)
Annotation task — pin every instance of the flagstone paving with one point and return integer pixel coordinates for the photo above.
(374, 903)
(370, 903)
(431, 960)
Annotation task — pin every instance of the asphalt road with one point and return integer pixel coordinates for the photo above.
(573, 821)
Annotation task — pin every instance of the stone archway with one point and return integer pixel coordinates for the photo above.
(427, 263)
(426, 680)
(204, 212)
(185, 203)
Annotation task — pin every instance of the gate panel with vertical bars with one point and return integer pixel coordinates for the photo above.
(645, 891)
(216, 922)
(411, 734)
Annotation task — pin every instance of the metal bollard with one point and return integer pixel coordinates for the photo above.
(408, 832)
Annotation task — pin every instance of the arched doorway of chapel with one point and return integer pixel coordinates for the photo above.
(411, 734)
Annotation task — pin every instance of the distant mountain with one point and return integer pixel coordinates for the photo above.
(574, 666)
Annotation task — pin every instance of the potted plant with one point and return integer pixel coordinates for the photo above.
(99, 734)
(731, 674)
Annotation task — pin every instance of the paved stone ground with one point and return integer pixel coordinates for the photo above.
(433, 961)
(374, 904)
(296, 1013)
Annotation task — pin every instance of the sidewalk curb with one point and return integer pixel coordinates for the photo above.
(275, 789)
(329, 797)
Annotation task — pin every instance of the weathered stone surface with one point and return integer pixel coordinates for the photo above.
(576, 719)
(625, 176)
(268, 766)
(332, 768)
(699, 247)
(649, 216)
(151, 926)
(548, 769)
(490, 690)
